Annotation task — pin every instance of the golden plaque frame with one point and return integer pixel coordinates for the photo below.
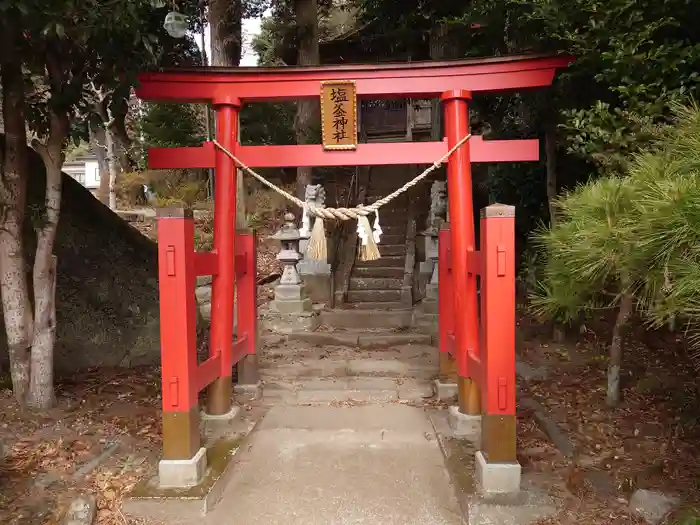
(327, 115)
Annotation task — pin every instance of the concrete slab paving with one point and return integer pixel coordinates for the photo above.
(322, 465)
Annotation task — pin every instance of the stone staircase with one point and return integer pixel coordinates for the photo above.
(378, 284)
(301, 373)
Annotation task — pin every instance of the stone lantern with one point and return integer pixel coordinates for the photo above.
(290, 294)
(438, 210)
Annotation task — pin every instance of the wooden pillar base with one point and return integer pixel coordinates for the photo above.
(498, 438)
(181, 439)
(474, 407)
(219, 396)
(469, 397)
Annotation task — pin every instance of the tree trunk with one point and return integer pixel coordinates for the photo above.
(306, 12)
(113, 167)
(13, 278)
(437, 52)
(550, 145)
(98, 137)
(226, 26)
(550, 148)
(626, 305)
(122, 142)
(41, 391)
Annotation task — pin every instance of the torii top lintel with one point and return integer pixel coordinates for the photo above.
(411, 80)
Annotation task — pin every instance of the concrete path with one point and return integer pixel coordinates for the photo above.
(330, 465)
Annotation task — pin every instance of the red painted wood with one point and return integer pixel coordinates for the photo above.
(417, 80)
(498, 315)
(246, 288)
(240, 348)
(205, 263)
(178, 311)
(474, 263)
(391, 153)
(223, 288)
(446, 319)
(460, 202)
(207, 372)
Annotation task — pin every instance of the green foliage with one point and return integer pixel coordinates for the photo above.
(173, 125)
(633, 61)
(521, 185)
(639, 233)
(590, 256)
(268, 123)
(277, 43)
(78, 52)
(172, 187)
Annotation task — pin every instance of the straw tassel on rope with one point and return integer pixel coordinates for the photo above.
(369, 251)
(318, 248)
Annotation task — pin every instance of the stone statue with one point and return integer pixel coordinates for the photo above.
(315, 194)
(436, 217)
(438, 206)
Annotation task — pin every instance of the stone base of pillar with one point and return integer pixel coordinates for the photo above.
(291, 299)
(318, 287)
(463, 425)
(497, 478)
(430, 307)
(228, 416)
(425, 268)
(431, 292)
(289, 323)
(248, 392)
(445, 391)
(182, 473)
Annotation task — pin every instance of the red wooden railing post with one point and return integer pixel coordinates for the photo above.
(178, 339)
(446, 307)
(221, 344)
(460, 203)
(498, 430)
(246, 290)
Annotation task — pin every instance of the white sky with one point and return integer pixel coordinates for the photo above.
(251, 28)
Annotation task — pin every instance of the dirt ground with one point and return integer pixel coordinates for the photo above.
(104, 435)
(650, 441)
(102, 438)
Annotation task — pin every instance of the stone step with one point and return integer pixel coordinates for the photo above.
(393, 238)
(392, 306)
(378, 272)
(305, 368)
(380, 191)
(387, 250)
(361, 339)
(374, 283)
(346, 390)
(388, 261)
(278, 349)
(358, 296)
(362, 318)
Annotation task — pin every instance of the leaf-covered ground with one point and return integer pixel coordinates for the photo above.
(650, 441)
(104, 435)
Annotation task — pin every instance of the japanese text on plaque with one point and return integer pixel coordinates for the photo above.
(339, 115)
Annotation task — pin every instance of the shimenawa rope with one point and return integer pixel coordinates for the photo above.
(368, 250)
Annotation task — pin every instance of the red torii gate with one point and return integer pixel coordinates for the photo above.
(227, 89)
